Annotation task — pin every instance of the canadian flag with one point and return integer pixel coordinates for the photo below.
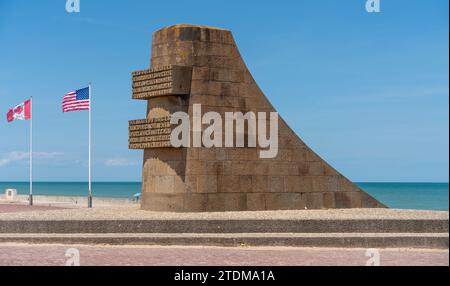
(20, 112)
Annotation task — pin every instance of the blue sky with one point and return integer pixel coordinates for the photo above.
(368, 92)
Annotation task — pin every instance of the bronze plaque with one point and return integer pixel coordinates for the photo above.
(162, 81)
(150, 133)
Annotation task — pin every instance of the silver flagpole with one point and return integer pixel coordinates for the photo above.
(90, 178)
(31, 152)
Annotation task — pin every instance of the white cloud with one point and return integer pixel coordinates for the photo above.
(120, 162)
(16, 156)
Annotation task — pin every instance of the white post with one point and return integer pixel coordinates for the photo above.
(90, 182)
(31, 151)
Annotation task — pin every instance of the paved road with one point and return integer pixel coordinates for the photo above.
(17, 254)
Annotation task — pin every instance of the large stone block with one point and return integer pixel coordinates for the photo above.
(256, 202)
(195, 202)
(221, 202)
(348, 200)
(285, 201)
(314, 200)
(163, 202)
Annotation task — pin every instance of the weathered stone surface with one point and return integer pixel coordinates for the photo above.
(193, 64)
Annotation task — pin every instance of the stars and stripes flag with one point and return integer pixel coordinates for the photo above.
(77, 100)
(81, 100)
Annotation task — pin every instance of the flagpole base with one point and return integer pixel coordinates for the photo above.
(31, 200)
(90, 201)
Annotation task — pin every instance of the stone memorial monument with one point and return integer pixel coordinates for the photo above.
(194, 66)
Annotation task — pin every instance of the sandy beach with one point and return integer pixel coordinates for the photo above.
(67, 201)
(132, 212)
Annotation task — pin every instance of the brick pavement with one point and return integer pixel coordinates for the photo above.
(24, 255)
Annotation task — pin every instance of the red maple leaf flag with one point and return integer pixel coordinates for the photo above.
(20, 112)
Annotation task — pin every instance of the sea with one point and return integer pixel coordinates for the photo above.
(420, 196)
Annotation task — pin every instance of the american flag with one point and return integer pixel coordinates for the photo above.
(76, 100)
